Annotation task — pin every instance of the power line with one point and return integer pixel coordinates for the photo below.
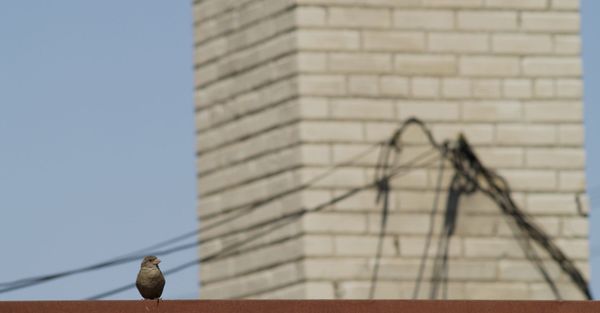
(398, 171)
(391, 149)
(197, 261)
(467, 164)
(303, 186)
(440, 266)
(432, 214)
(136, 255)
(470, 175)
(533, 257)
(383, 195)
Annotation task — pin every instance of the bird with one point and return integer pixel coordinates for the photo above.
(150, 280)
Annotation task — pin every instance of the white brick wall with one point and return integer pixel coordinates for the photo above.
(286, 88)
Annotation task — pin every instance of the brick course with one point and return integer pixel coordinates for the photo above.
(287, 88)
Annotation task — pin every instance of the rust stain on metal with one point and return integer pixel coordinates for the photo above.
(303, 306)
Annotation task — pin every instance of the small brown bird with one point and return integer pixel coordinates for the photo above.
(150, 280)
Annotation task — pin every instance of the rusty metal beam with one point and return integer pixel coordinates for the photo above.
(303, 306)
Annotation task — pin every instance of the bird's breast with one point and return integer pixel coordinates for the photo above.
(150, 277)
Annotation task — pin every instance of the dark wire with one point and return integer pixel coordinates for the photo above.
(383, 195)
(221, 253)
(440, 266)
(383, 187)
(27, 282)
(496, 187)
(138, 254)
(464, 162)
(534, 258)
(288, 192)
(432, 214)
(114, 261)
(473, 172)
(230, 250)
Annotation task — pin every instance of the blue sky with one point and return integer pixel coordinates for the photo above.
(591, 63)
(97, 137)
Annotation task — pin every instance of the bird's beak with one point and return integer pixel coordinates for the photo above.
(156, 262)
